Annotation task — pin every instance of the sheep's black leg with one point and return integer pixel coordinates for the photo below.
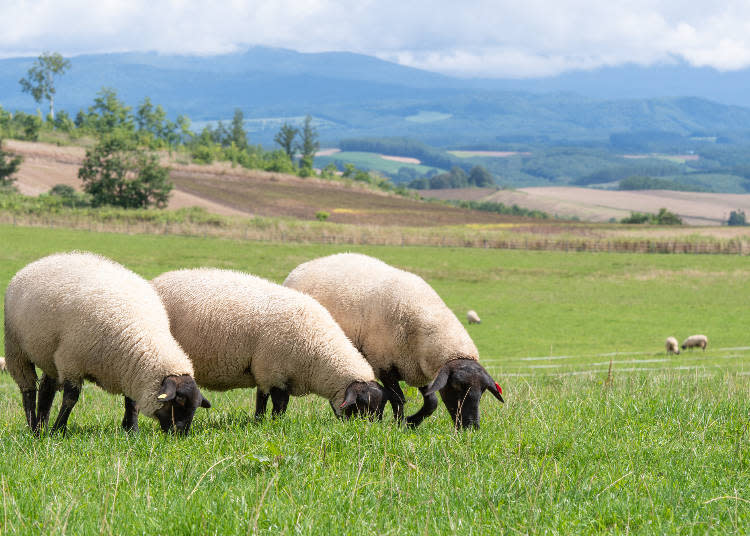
(427, 409)
(71, 392)
(47, 389)
(397, 399)
(261, 401)
(29, 407)
(280, 398)
(390, 381)
(130, 419)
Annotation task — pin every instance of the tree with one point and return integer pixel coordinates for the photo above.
(478, 176)
(40, 81)
(285, 138)
(665, 217)
(9, 164)
(737, 218)
(115, 172)
(151, 119)
(309, 144)
(238, 134)
(109, 114)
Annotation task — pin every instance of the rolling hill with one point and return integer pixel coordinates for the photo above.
(352, 95)
(222, 189)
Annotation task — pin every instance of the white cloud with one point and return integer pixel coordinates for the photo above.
(477, 37)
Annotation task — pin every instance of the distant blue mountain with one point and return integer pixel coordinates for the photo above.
(638, 82)
(355, 95)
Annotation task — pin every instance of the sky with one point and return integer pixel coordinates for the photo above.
(490, 39)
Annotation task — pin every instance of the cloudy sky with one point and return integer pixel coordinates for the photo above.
(476, 37)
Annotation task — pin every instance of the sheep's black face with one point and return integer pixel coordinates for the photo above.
(367, 399)
(461, 383)
(181, 398)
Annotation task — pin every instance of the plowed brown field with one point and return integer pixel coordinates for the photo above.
(222, 189)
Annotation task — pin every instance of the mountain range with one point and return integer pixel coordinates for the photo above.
(353, 95)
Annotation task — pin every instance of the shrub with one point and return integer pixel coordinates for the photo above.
(737, 218)
(115, 172)
(322, 215)
(202, 154)
(664, 217)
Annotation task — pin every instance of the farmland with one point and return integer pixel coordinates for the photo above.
(376, 162)
(590, 204)
(232, 191)
(601, 432)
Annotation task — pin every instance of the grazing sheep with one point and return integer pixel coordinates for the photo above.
(241, 331)
(403, 329)
(80, 316)
(473, 317)
(695, 340)
(672, 346)
(2, 364)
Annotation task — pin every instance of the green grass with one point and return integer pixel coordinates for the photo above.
(371, 161)
(661, 448)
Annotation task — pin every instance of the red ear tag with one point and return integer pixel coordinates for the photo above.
(499, 389)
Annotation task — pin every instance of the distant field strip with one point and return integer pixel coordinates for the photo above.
(716, 360)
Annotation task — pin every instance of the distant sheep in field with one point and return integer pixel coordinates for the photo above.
(694, 341)
(404, 329)
(78, 316)
(672, 346)
(473, 317)
(2, 364)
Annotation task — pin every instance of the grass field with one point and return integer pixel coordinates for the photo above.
(371, 161)
(660, 445)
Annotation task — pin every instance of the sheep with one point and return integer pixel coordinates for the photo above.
(2, 364)
(404, 330)
(695, 340)
(244, 331)
(672, 346)
(472, 317)
(78, 316)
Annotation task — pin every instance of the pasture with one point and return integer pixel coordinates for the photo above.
(372, 161)
(601, 431)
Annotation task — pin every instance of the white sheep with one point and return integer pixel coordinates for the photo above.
(672, 346)
(2, 364)
(241, 331)
(695, 340)
(403, 329)
(472, 317)
(80, 316)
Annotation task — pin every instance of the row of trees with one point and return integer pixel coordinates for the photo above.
(455, 178)
(121, 169)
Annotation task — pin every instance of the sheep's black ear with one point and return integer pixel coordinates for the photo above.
(350, 397)
(439, 382)
(493, 387)
(168, 390)
(205, 403)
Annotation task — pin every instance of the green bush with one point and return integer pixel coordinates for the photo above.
(664, 217)
(202, 154)
(737, 218)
